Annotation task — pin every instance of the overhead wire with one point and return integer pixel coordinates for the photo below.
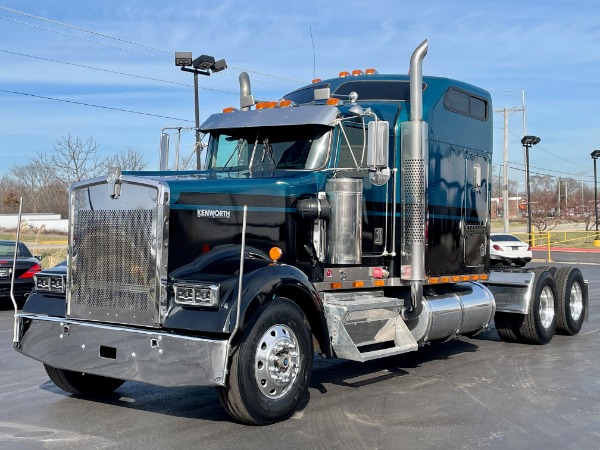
(107, 36)
(93, 105)
(116, 72)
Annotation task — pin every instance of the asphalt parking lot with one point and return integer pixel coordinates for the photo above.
(464, 394)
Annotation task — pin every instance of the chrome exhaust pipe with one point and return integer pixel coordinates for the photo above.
(246, 97)
(414, 184)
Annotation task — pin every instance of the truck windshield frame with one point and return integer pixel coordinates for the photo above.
(305, 147)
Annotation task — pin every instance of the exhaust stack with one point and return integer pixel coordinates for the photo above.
(414, 183)
(246, 97)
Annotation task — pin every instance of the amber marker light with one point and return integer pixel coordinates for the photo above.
(434, 280)
(285, 103)
(275, 253)
(357, 72)
(333, 101)
(455, 279)
(316, 80)
(336, 285)
(445, 279)
(228, 109)
(378, 283)
(344, 74)
(358, 284)
(483, 276)
(371, 71)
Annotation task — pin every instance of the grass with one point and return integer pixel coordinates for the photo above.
(36, 240)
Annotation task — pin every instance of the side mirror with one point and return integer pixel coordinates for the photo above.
(378, 144)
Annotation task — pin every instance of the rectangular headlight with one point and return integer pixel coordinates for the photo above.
(197, 295)
(47, 283)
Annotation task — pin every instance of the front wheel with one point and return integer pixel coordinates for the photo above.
(270, 367)
(82, 383)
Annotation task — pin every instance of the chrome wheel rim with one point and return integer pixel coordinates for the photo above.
(576, 301)
(277, 361)
(546, 307)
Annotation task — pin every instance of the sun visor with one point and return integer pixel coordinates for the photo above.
(297, 115)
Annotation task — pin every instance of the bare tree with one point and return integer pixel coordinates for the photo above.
(130, 159)
(73, 160)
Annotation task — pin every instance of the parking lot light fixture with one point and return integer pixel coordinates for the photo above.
(202, 65)
(529, 141)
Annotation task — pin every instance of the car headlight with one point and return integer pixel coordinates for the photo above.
(197, 295)
(49, 283)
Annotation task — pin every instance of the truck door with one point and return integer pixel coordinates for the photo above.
(475, 210)
(352, 159)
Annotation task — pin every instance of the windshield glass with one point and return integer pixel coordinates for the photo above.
(269, 148)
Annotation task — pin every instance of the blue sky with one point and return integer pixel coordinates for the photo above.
(548, 49)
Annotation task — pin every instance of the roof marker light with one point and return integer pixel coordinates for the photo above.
(228, 109)
(344, 74)
(284, 103)
(357, 72)
(316, 80)
(371, 71)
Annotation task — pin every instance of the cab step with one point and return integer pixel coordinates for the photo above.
(366, 326)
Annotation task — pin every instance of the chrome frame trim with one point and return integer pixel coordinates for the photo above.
(160, 231)
(512, 291)
(153, 357)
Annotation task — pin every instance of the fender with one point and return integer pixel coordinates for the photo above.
(280, 280)
(263, 280)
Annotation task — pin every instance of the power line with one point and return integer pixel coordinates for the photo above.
(14, 11)
(92, 105)
(114, 71)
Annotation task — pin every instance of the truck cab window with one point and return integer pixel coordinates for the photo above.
(352, 145)
(298, 148)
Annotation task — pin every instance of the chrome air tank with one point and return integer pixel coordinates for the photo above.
(344, 226)
(452, 310)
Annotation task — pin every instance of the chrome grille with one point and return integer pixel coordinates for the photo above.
(114, 265)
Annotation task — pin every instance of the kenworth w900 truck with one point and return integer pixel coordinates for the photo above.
(350, 219)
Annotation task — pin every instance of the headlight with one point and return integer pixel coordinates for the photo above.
(47, 283)
(197, 295)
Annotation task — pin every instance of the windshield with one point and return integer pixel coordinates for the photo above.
(269, 148)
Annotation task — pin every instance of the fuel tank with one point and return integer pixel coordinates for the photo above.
(450, 311)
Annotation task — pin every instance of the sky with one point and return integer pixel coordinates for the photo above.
(118, 55)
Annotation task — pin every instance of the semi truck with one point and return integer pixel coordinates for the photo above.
(350, 219)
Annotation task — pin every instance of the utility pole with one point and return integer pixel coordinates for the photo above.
(505, 199)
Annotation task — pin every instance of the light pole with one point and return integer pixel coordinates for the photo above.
(595, 156)
(202, 65)
(528, 141)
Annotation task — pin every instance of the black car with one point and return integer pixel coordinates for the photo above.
(27, 266)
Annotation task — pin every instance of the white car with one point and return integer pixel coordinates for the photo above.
(506, 249)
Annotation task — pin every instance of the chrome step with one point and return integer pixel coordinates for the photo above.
(366, 326)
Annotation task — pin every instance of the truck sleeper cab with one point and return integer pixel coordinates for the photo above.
(351, 219)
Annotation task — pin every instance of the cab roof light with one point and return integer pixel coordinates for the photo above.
(344, 74)
(371, 71)
(357, 72)
(333, 101)
(229, 109)
(285, 103)
(266, 105)
(316, 80)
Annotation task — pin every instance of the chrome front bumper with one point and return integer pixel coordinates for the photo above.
(152, 357)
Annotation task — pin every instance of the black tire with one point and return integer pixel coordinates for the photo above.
(539, 324)
(551, 269)
(82, 383)
(572, 300)
(507, 326)
(254, 395)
